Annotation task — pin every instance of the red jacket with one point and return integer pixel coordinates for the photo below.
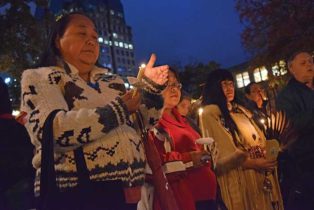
(201, 181)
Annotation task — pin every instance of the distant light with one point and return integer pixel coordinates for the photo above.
(115, 35)
(131, 86)
(143, 65)
(120, 44)
(100, 39)
(7, 80)
(131, 46)
(14, 80)
(262, 121)
(15, 112)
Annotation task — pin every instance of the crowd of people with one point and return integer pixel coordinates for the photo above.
(88, 152)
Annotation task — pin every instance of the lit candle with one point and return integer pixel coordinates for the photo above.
(139, 76)
(200, 117)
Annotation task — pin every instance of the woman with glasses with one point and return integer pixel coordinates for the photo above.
(248, 181)
(188, 171)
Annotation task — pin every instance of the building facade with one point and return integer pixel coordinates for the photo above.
(244, 73)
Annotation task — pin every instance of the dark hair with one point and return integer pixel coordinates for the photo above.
(175, 72)
(247, 88)
(52, 53)
(213, 94)
(5, 104)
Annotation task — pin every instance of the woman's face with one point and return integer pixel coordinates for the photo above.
(79, 44)
(172, 93)
(184, 107)
(228, 89)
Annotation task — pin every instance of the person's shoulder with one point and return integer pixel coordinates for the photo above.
(212, 109)
(42, 70)
(290, 88)
(245, 110)
(42, 73)
(286, 92)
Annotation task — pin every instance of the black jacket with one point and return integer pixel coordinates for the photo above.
(16, 170)
(297, 100)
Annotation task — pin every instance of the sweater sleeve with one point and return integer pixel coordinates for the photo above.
(226, 158)
(152, 102)
(42, 93)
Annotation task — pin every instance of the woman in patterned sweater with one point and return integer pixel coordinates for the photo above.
(94, 117)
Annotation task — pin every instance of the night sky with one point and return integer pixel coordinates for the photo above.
(186, 31)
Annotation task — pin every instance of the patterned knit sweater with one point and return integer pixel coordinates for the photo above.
(93, 116)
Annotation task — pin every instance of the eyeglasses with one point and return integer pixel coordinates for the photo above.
(175, 85)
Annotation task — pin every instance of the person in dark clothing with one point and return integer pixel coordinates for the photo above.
(257, 103)
(297, 101)
(16, 151)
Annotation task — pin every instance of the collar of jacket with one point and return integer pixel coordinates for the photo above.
(294, 82)
(167, 119)
(95, 73)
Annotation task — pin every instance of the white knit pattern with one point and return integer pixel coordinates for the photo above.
(112, 149)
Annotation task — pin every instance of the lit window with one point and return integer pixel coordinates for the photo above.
(283, 67)
(110, 43)
(242, 79)
(111, 12)
(264, 74)
(116, 43)
(100, 40)
(126, 46)
(106, 41)
(239, 80)
(120, 44)
(260, 74)
(130, 46)
(257, 75)
(246, 78)
(115, 35)
(279, 68)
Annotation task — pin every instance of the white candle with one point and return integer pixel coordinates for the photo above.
(200, 114)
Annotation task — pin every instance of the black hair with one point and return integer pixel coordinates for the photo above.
(247, 88)
(175, 72)
(52, 53)
(213, 94)
(5, 103)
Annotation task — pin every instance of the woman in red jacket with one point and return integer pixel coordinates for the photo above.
(190, 176)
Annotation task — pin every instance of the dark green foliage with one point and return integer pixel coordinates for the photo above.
(23, 37)
(274, 28)
(194, 76)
